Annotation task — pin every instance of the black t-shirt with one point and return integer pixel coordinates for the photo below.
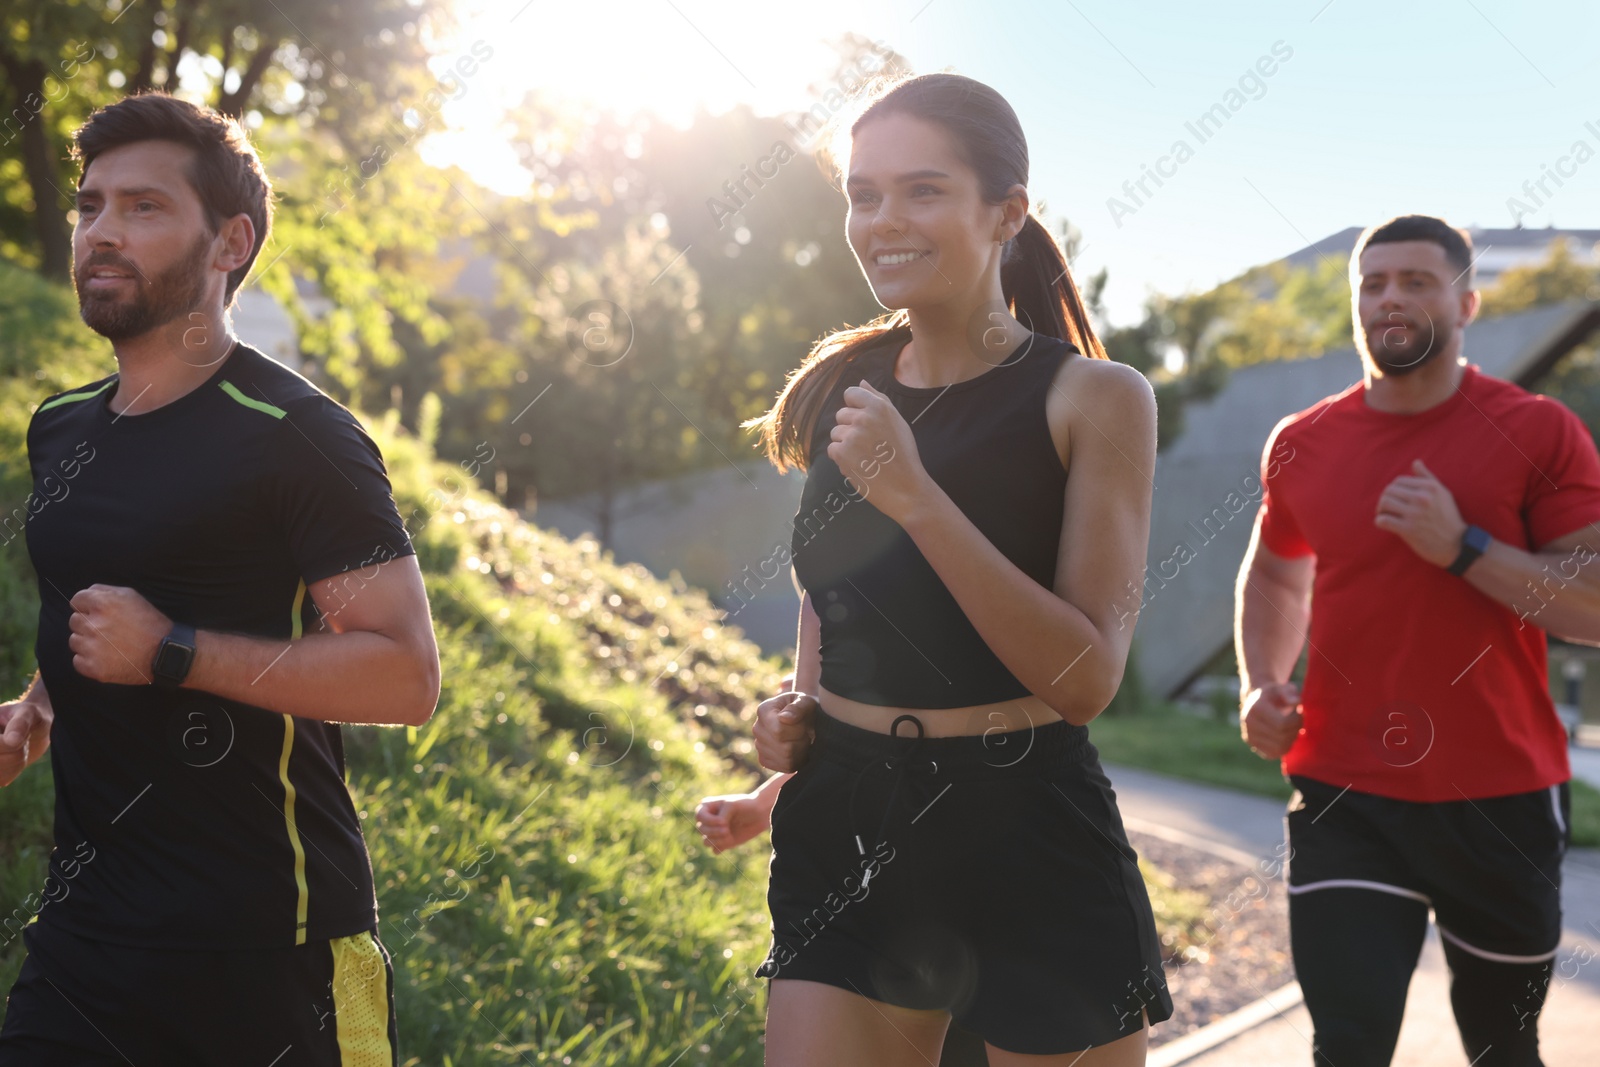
(184, 820)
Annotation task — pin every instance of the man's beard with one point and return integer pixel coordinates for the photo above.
(155, 301)
(1398, 352)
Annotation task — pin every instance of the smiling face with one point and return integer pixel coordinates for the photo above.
(143, 252)
(1408, 306)
(917, 221)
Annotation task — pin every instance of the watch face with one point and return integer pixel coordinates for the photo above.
(173, 661)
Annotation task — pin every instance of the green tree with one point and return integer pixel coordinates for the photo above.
(744, 273)
(614, 340)
(1283, 313)
(46, 350)
(1559, 276)
(335, 65)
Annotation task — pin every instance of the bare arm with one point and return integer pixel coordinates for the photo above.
(1273, 607)
(1272, 599)
(1068, 645)
(379, 665)
(729, 820)
(25, 730)
(808, 649)
(1557, 587)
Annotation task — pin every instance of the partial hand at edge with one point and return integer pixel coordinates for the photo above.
(730, 820)
(24, 736)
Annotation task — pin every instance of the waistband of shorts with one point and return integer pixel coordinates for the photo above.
(1032, 750)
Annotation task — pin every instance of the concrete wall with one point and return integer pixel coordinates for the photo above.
(714, 527)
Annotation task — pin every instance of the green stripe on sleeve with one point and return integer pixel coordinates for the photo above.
(260, 405)
(71, 398)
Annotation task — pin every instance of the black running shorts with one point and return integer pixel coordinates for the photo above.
(987, 875)
(1490, 868)
(83, 1003)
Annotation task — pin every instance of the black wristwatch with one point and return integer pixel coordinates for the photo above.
(1474, 543)
(174, 657)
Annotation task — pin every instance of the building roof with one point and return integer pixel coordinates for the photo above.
(1339, 245)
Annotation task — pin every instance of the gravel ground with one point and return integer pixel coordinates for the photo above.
(1241, 953)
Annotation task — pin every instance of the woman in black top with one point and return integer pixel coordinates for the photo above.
(948, 845)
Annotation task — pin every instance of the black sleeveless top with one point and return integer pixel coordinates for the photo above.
(892, 633)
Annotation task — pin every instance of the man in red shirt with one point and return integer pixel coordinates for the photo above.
(1441, 521)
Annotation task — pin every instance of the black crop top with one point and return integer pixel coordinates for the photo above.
(892, 633)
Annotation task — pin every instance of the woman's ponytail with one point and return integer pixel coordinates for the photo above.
(1038, 288)
(786, 430)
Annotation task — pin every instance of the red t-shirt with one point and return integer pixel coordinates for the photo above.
(1419, 686)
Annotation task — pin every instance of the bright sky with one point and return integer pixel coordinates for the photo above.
(1372, 108)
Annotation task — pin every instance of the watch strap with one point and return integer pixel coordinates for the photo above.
(1474, 543)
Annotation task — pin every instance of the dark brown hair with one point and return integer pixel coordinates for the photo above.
(1457, 244)
(225, 172)
(1034, 278)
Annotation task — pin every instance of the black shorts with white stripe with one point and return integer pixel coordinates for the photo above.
(1490, 868)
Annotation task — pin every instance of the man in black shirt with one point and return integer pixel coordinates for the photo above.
(223, 578)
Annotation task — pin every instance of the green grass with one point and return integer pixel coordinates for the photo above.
(543, 889)
(1160, 738)
(1157, 737)
(1585, 815)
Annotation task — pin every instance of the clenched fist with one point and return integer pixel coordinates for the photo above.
(783, 731)
(115, 634)
(730, 820)
(1270, 720)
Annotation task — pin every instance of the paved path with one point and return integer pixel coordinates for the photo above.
(1236, 824)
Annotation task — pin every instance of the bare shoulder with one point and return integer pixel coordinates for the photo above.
(1102, 397)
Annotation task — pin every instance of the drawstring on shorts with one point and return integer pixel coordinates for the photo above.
(901, 762)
